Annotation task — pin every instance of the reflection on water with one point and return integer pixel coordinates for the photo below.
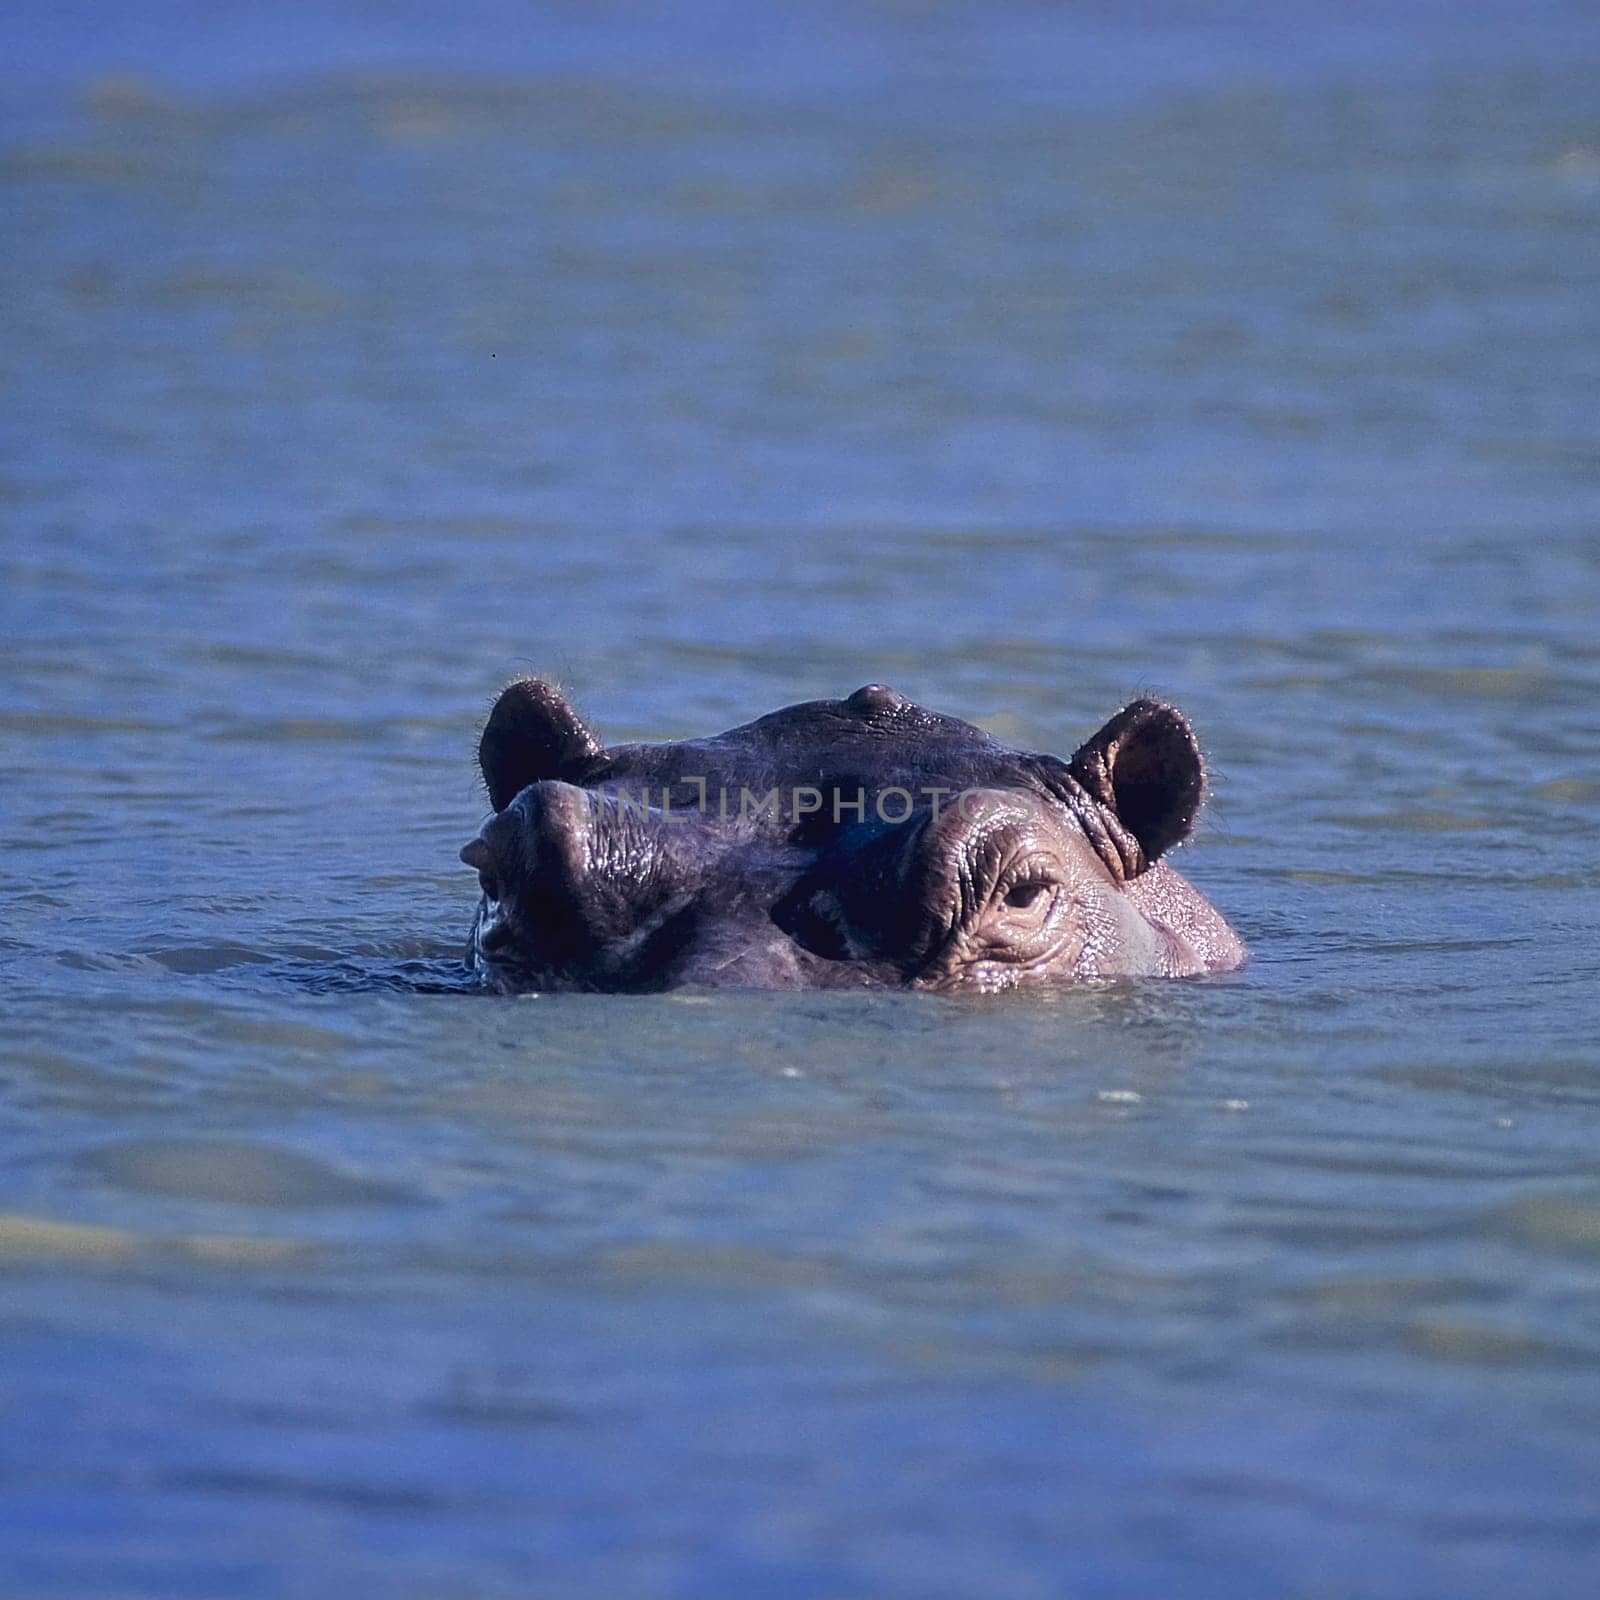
(332, 401)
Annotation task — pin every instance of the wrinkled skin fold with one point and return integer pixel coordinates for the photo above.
(856, 843)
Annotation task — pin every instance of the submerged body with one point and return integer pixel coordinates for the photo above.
(856, 843)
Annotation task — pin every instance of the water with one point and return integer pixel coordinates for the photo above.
(1024, 361)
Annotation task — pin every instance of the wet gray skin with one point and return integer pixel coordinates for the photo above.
(856, 843)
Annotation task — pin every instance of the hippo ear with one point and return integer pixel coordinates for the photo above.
(531, 734)
(1146, 767)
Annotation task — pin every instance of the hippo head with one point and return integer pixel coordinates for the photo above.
(856, 843)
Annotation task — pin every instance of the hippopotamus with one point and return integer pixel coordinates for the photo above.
(862, 843)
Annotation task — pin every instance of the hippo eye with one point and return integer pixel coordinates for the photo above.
(1020, 896)
(489, 884)
(1029, 888)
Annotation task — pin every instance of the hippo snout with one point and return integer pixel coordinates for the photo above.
(569, 880)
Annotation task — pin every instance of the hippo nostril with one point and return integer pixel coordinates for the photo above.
(476, 853)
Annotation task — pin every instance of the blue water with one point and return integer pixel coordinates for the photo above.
(1025, 358)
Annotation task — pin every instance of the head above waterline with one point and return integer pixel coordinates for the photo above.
(835, 844)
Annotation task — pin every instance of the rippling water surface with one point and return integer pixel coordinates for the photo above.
(1023, 362)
